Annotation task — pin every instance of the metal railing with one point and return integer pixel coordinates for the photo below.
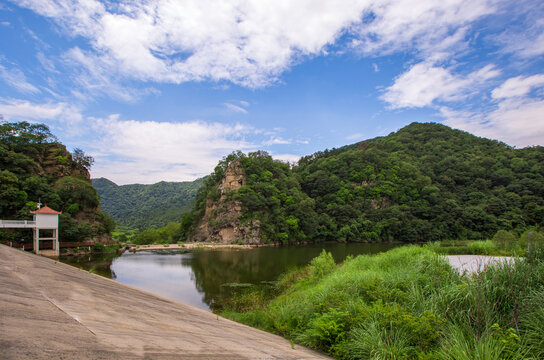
(17, 223)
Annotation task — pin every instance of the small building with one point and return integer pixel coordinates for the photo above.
(46, 219)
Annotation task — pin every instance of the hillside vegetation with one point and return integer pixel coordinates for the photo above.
(142, 206)
(424, 182)
(35, 167)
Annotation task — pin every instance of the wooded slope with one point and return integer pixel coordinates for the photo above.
(141, 206)
(423, 182)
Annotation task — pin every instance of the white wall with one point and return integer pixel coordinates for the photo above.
(47, 221)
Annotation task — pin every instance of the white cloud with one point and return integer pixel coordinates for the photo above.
(250, 42)
(290, 158)
(425, 82)
(17, 79)
(96, 78)
(517, 121)
(526, 40)
(23, 110)
(518, 86)
(151, 151)
(245, 42)
(353, 137)
(235, 108)
(433, 28)
(276, 141)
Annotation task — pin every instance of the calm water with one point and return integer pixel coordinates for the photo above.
(195, 277)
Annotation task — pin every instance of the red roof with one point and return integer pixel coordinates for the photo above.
(46, 210)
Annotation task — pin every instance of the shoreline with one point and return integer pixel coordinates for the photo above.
(192, 246)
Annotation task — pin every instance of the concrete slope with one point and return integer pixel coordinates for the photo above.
(50, 310)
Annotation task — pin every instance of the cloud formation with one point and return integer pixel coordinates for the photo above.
(425, 82)
(247, 42)
(17, 79)
(150, 151)
(21, 110)
(518, 86)
(516, 118)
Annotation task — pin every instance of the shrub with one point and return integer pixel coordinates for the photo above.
(531, 241)
(505, 240)
(322, 265)
(486, 247)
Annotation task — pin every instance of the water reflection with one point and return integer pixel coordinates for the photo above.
(195, 278)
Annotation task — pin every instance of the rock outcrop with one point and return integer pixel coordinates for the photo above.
(221, 221)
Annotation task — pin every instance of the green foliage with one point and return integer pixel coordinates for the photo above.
(408, 304)
(170, 234)
(425, 182)
(482, 247)
(505, 240)
(34, 167)
(140, 206)
(63, 160)
(24, 133)
(76, 191)
(322, 265)
(532, 240)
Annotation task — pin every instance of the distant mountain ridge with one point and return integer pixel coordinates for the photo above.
(142, 206)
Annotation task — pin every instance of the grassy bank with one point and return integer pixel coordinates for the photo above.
(404, 304)
(504, 243)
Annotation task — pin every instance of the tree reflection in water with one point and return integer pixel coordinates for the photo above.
(196, 277)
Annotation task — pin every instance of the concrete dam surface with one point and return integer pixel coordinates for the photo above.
(50, 310)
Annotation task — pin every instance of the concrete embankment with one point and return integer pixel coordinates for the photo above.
(50, 310)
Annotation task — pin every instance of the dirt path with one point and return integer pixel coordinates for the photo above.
(50, 310)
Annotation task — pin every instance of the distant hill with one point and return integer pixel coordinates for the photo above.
(141, 206)
(34, 167)
(424, 182)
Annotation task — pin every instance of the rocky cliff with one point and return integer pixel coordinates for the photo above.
(221, 221)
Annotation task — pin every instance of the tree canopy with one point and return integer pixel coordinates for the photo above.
(34, 167)
(424, 182)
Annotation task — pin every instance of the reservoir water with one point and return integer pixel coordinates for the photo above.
(198, 277)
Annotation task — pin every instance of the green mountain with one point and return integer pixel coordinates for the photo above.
(423, 182)
(141, 206)
(35, 167)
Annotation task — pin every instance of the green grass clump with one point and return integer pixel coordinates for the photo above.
(405, 304)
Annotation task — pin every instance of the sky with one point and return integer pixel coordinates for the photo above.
(161, 90)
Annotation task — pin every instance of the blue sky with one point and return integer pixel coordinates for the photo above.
(163, 89)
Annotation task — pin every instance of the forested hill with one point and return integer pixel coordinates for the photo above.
(35, 167)
(424, 182)
(141, 206)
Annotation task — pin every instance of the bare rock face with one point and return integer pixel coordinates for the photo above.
(221, 221)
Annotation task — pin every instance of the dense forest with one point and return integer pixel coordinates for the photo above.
(424, 182)
(35, 167)
(140, 206)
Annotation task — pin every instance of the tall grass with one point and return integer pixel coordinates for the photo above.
(406, 304)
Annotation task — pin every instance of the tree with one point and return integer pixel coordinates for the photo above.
(24, 133)
(82, 159)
